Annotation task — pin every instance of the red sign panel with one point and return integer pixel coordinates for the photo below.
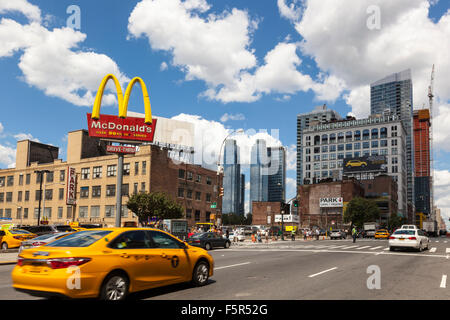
(115, 128)
(71, 186)
(120, 149)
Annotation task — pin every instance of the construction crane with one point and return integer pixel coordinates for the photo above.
(430, 98)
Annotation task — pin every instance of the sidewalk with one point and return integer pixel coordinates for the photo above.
(8, 257)
(248, 242)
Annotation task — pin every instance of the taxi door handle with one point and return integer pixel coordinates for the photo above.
(124, 255)
(163, 255)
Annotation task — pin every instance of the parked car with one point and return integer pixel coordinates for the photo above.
(338, 234)
(45, 229)
(235, 236)
(41, 240)
(409, 238)
(11, 238)
(209, 240)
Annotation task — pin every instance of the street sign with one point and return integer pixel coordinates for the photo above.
(214, 205)
(120, 149)
(287, 218)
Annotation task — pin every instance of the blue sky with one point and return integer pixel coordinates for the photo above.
(262, 62)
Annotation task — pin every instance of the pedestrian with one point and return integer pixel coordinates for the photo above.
(253, 238)
(228, 233)
(267, 236)
(259, 237)
(293, 234)
(354, 234)
(317, 234)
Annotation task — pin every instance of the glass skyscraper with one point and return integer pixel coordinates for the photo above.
(231, 202)
(394, 94)
(277, 174)
(259, 179)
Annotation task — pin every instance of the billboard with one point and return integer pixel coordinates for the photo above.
(365, 164)
(331, 202)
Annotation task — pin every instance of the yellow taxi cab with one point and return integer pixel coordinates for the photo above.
(382, 234)
(11, 238)
(110, 263)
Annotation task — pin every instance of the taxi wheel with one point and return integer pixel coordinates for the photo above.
(4, 246)
(208, 246)
(201, 274)
(115, 287)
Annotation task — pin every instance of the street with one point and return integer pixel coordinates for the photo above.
(311, 270)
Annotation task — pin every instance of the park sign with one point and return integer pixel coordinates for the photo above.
(71, 186)
(331, 202)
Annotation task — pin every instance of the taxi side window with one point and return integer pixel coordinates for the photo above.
(162, 240)
(131, 240)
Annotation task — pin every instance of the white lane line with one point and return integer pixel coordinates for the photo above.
(445, 241)
(233, 265)
(339, 247)
(350, 247)
(436, 241)
(447, 250)
(433, 249)
(376, 248)
(386, 249)
(316, 274)
(444, 281)
(365, 247)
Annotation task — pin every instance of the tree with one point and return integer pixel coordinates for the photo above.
(360, 210)
(155, 204)
(396, 221)
(236, 219)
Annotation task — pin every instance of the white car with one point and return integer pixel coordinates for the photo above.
(337, 234)
(232, 236)
(409, 227)
(409, 238)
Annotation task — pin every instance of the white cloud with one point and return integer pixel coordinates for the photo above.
(163, 66)
(343, 46)
(441, 128)
(1, 127)
(217, 50)
(52, 61)
(7, 156)
(442, 192)
(234, 117)
(25, 136)
(32, 12)
(291, 157)
(290, 11)
(291, 188)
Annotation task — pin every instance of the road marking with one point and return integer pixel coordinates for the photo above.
(444, 281)
(230, 266)
(316, 274)
(433, 249)
(363, 247)
(339, 247)
(447, 250)
(436, 241)
(376, 248)
(386, 249)
(445, 241)
(350, 247)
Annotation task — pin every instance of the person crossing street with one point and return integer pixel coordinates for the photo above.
(354, 234)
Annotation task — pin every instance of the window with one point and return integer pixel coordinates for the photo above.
(198, 195)
(357, 146)
(366, 145)
(357, 154)
(96, 191)
(62, 175)
(163, 240)
(125, 189)
(208, 197)
(208, 180)
(25, 213)
(60, 212)
(332, 138)
(19, 196)
(393, 142)
(69, 212)
(348, 146)
(383, 143)
(27, 195)
(324, 148)
(340, 147)
(197, 215)
(61, 194)
(9, 196)
(383, 152)
(198, 179)
(394, 160)
(36, 213)
(21, 180)
(111, 170)
(348, 136)
(124, 211)
(366, 134)
(84, 192)
(316, 166)
(333, 148)
(109, 211)
(37, 195)
(181, 173)
(2, 181)
(357, 135)
(85, 173)
(208, 216)
(38, 177)
(28, 178)
(308, 151)
(349, 155)
(316, 149)
(136, 168)
(375, 144)
(80, 239)
(374, 152)
(110, 190)
(48, 212)
(332, 165)
(394, 169)
(324, 139)
(126, 169)
(10, 181)
(324, 165)
(135, 188)
(340, 137)
(189, 194)
(95, 211)
(188, 213)
(317, 158)
(49, 176)
(308, 159)
(8, 213)
(144, 167)
(324, 157)
(49, 194)
(316, 140)
(394, 150)
(180, 192)
(189, 175)
(374, 133)
(97, 172)
(333, 156)
(83, 212)
(340, 156)
(142, 186)
(383, 133)
(131, 240)
(366, 153)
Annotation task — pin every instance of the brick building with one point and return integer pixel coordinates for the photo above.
(150, 169)
(311, 214)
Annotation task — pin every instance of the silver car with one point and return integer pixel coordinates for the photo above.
(41, 240)
(409, 238)
(338, 234)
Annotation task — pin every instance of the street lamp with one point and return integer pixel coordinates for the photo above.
(219, 168)
(41, 173)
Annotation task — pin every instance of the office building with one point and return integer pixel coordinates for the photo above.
(395, 93)
(319, 115)
(259, 179)
(277, 174)
(232, 178)
(242, 198)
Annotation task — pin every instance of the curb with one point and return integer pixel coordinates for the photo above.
(5, 263)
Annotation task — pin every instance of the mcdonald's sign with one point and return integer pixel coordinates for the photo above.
(121, 127)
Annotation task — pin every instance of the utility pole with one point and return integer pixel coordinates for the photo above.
(119, 190)
(41, 173)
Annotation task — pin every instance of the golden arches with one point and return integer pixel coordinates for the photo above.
(123, 103)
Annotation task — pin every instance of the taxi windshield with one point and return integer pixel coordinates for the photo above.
(19, 231)
(79, 239)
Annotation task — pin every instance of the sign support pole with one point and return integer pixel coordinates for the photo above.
(119, 190)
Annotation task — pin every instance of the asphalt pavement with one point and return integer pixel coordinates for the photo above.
(311, 270)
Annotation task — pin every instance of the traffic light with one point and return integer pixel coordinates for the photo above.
(295, 203)
(221, 192)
